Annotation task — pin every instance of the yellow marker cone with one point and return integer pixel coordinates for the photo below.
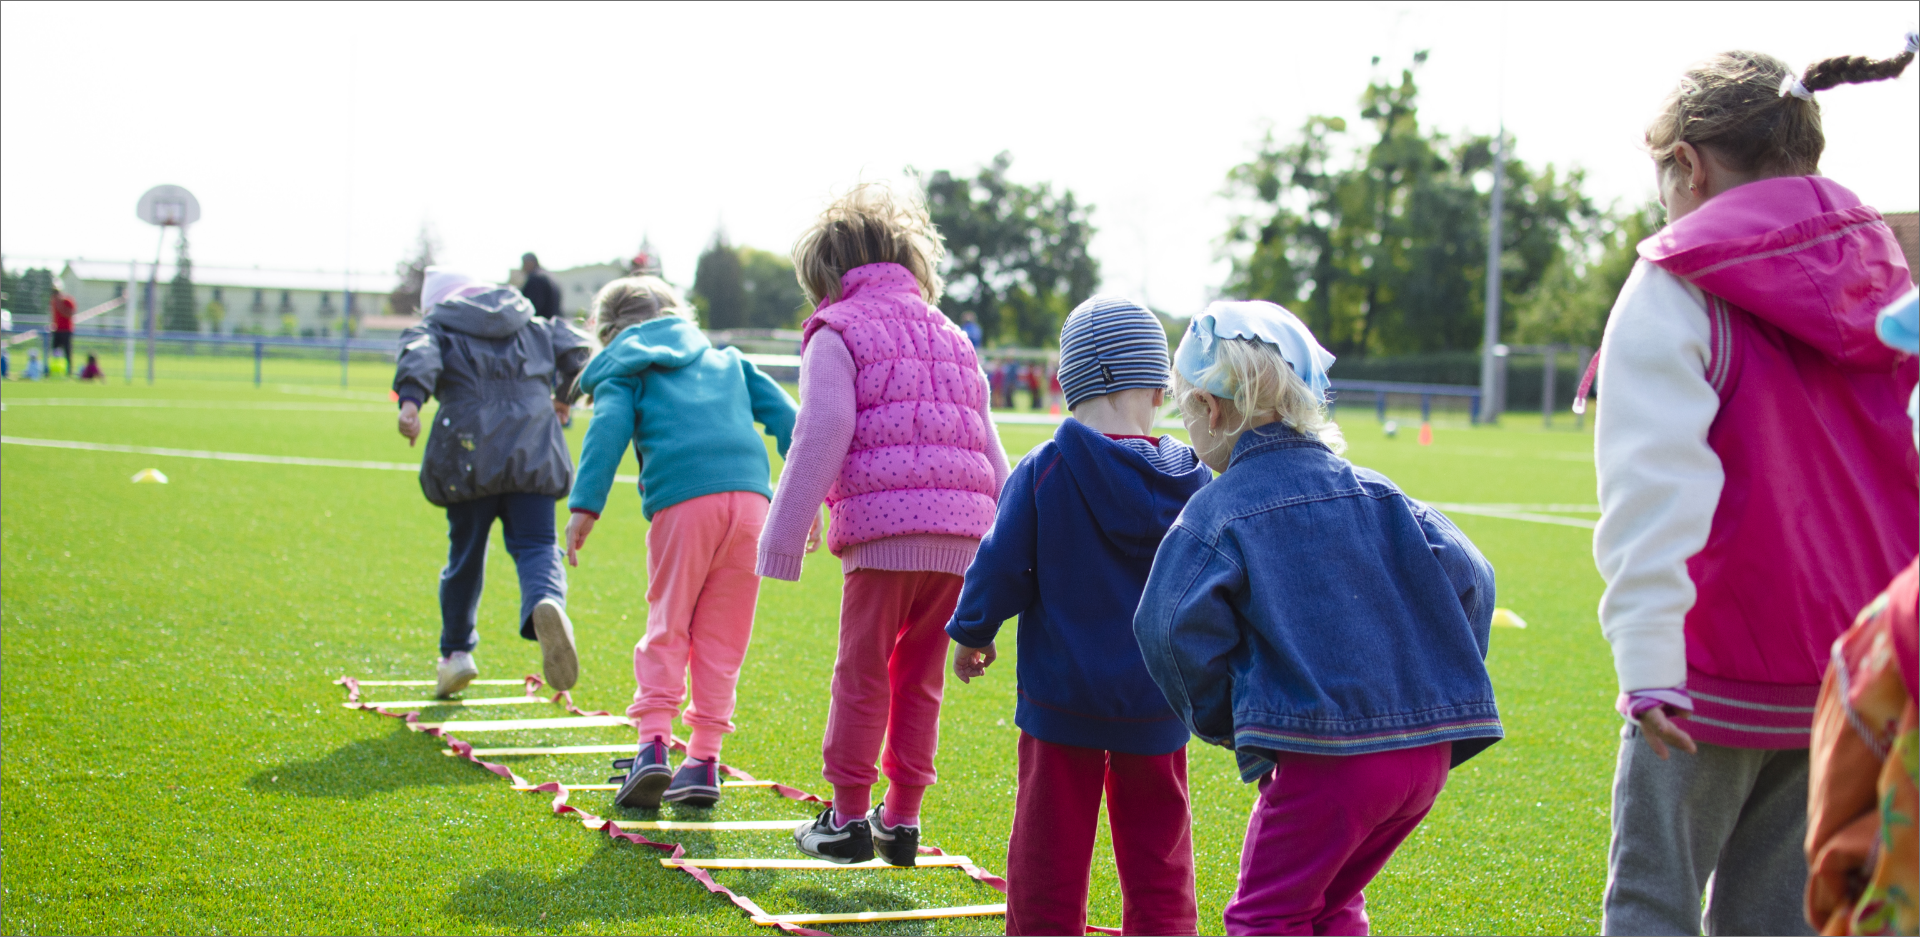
(1505, 618)
(150, 475)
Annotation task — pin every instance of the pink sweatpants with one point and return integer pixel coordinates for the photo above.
(887, 685)
(701, 589)
(1322, 829)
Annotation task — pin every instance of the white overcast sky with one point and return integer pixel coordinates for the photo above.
(324, 136)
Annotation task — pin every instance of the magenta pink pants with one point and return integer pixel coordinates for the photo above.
(1322, 829)
(700, 594)
(887, 685)
(1056, 815)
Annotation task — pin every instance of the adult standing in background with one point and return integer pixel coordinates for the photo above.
(60, 305)
(971, 326)
(539, 288)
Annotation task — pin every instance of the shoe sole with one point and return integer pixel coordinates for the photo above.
(692, 798)
(459, 682)
(645, 791)
(559, 662)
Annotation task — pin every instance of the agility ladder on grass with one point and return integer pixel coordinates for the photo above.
(618, 829)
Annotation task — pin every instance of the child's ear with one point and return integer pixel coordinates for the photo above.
(1159, 397)
(1215, 413)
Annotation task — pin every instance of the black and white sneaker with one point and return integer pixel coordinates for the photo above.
(646, 778)
(845, 845)
(899, 845)
(696, 784)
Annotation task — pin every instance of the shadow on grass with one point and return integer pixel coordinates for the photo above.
(620, 882)
(399, 760)
(624, 882)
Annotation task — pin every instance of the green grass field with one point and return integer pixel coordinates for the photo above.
(176, 759)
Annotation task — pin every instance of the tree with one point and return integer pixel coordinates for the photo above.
(27, 293)
(1016, 255)
(1576, 295)
(719, 287)
(405, 298)
(1384, 249)
(181, 313)
(774, 297)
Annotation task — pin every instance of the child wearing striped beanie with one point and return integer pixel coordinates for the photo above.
(1073, 540)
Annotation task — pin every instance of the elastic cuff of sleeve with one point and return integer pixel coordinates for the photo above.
(593, 514)
(961, 637)
(780, 566)
(1633, 704)
(409, 399)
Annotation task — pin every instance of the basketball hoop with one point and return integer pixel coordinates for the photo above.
(168, 206)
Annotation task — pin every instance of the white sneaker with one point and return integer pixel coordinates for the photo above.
(455, 670)
(558, 659)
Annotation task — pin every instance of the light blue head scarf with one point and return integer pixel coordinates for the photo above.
(1251, 319)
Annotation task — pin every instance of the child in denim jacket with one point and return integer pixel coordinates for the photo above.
(1307, 614)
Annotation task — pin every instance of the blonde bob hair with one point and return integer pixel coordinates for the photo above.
(870, 225)
(1261, 384)
(630, 301)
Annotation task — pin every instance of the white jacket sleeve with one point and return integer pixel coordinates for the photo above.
(1659, 481)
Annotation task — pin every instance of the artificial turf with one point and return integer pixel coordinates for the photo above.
(174, 758)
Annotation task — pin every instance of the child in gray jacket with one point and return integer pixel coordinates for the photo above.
(496, 452)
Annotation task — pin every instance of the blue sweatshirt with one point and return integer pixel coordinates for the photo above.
(689, 411)
(1071, 546)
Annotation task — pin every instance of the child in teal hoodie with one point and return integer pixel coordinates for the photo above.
(688, 409)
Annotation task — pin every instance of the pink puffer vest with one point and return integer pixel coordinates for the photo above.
(1817, 512)
(918, 462)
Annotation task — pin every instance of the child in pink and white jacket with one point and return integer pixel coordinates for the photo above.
(1753, 470)
(895, 435)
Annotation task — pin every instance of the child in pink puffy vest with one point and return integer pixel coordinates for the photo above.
(895, 435)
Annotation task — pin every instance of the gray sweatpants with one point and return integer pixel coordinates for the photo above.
(1729, 822)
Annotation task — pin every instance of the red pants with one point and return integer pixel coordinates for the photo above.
(1055, 816)
(888, 682)
(1322, 829)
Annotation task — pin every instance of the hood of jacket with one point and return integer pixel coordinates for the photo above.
(492, 314)
(1800, 252)
(666, 342)
(1132, 502)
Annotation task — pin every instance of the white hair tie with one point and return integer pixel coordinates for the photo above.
(1791, 85)
(1913, 41)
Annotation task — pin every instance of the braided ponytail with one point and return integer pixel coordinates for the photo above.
(1739, 104)
(1854, 70)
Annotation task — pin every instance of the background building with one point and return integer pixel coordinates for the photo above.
(242, 301)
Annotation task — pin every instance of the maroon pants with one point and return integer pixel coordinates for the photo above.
(1055, 817)
(1322, 829)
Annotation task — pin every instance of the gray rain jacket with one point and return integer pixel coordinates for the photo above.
(492, 365)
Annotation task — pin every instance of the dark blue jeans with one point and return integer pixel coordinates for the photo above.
(527, 520)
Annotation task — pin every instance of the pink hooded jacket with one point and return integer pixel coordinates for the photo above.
(918, 463)
(1812, 436)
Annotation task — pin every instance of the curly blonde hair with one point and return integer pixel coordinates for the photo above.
(630, 301)
(871, 224)
(1261, 384)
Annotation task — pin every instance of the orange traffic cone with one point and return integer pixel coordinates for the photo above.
(1426, 434)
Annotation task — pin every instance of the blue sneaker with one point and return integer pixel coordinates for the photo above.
(646, 778)
(696, 784)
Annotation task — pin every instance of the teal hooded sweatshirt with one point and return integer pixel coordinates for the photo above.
(688, 408)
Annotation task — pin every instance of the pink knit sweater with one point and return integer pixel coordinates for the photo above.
(822, 436)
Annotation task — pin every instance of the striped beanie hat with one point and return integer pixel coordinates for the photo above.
(1110, 344)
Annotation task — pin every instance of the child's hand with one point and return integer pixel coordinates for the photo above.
(971, 662)
(410, 421)
(561, 409)
(578, 527)
(813, 535)
(1661, 732)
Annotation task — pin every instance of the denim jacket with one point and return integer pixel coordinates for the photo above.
(1303, 604)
